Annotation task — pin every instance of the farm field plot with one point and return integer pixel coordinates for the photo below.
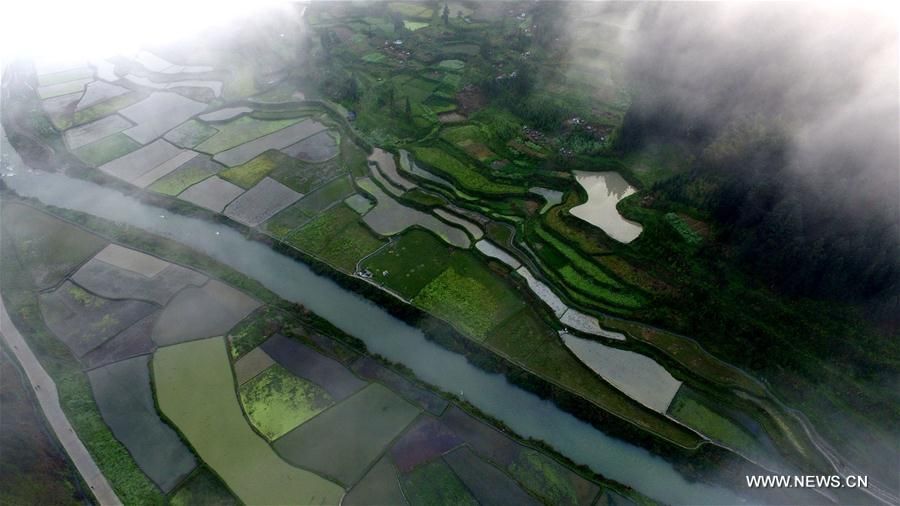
(131, 342)
(424, 441)
(63, 88)
(470, 296)
(123, 394)
(379, 486)
(688, 408)
(212, 193)
(225, 114)
(195, 390)
(190, 133)
(250, 364)
(134, 165)
(239, 131)
(301, 176)
(277, 401)
(536, 472)
(98, 92)
(640, 377)
(605, 190)
(467, 177)
(95, 131)
(77, 73)
(490, 249)
(489, 485)
(215, 87)
(336, 236)
(367, 422)
(111, 281)
(48, 247)
(203, 488)
(473, 229)
(261, 202)
(307, 363)
(520, 335)
(315, 148)
(390, 217)
(385, 161)
(435, 483)
(358, 203)
(409, 262)
(84, 321)
(106, 150)
(159, 113)
(373, 371)
(275, 140)
(207, 311)
(248, 174)
(192, 172)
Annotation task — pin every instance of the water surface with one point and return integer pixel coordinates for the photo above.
(605, 190)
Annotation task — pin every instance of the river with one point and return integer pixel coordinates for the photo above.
(525, 413)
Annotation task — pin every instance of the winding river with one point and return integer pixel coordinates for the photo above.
(525, 413)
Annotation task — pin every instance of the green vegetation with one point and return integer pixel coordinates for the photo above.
(409, 262)
(336, 236)
(683, 229)
(177, 181)
(544, 476)
(20, 299)
(195, 390)
(106, 150)
(241, 130)
(435, 483)
(191, 133)
(277, 401)
(471, 303)
(248, 174)
(688, 409)
(365, 423)
(466, 176)
(301, 176)
(100, 110)
(203, 488)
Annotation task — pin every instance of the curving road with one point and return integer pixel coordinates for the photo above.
(45, 391)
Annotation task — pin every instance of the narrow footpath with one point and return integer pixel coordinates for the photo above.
(45, 391)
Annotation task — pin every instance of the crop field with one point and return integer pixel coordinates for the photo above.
(488, 484)
(276, 401)
(84, 321)
(470, 296)
(113, 282)
(135, 164)
(189, 174)
(207, 311)
(390, 217)
(367, 422)
(302, 361)
(536, 472)
(212, 193)
(131, 342)
(122, 391)
(98, 92)
(316, 148)
(304, 177)
(467, 177)
(379, 486)
(435, 483)
(279, 139)
(49, 248)
(359, 203)
(240, 131)
(520, 335)
(246, 175)
(336, 236)
(410, 262)
(425, 440)
(95, 131)
(195, 390)
(106, 150)
(203, 487)
(261, 202)
(191, 133)
(688, 409)
(373, 371)
(250, 364)
(158, 113)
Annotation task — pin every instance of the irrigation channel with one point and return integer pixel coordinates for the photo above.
(525, 413)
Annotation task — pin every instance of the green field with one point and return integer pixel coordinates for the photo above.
(688, 409)
(248, 174)
(241, 130)
(343, 441)
(177, 181)
(466, 176)
(195, 390)
(277, 401)
(202, 488)
(336, 236)
(435, 483)
(410, 262)
(191, 133)
(106, 150)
